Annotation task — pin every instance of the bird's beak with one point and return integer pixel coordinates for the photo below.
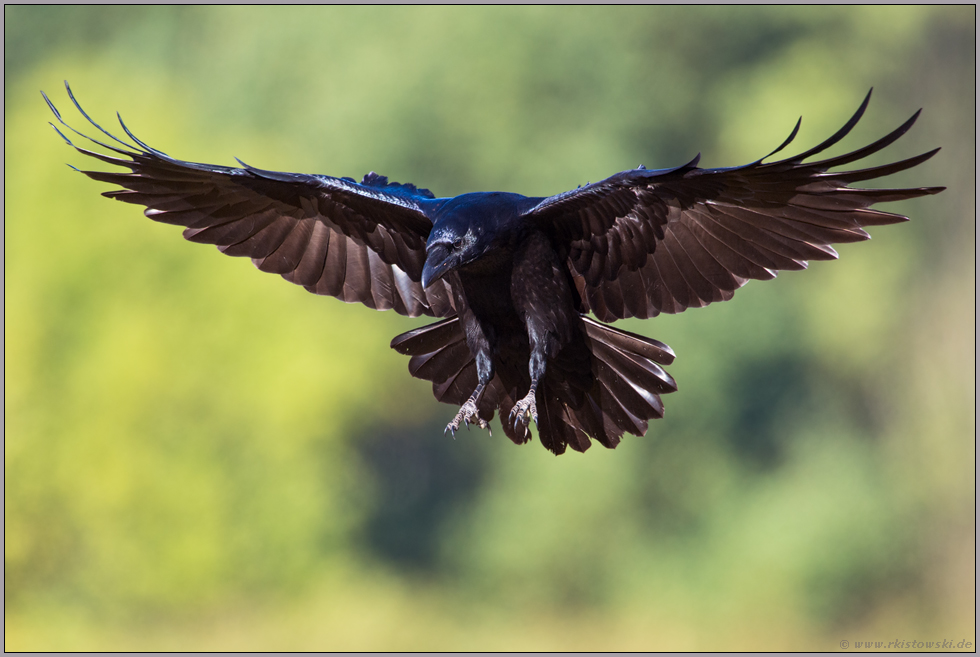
(437, 264)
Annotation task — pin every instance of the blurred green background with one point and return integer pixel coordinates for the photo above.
(201, 456)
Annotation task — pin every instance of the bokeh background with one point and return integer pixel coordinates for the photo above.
(201, 456)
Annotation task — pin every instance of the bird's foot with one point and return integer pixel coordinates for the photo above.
(467, 413)
(525, 410)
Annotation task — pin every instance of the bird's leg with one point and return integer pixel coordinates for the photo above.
(526, 409)
(469, 411)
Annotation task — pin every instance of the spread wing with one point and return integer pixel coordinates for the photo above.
(361, 242)
(644, 242)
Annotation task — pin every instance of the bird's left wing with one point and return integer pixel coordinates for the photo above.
(644, 241)
(362, 242)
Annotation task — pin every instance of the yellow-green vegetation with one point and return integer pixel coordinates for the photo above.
(199, 456)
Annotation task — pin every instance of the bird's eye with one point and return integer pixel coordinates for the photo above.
(458, 244)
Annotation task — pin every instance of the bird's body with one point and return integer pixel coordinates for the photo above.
(522, 319)
(515, 277)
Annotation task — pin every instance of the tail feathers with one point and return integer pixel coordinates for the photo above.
(626, 388)
(599, 387)
(625, 341)
(427, 339)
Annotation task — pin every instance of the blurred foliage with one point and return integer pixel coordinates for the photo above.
(199, 456)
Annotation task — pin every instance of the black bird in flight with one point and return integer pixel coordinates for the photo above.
(514, 277)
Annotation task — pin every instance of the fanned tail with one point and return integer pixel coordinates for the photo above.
(603, 384)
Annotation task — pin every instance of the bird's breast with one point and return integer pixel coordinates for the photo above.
(488, 296)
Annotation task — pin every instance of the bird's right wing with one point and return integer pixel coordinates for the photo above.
(362, 242)
(644, 242)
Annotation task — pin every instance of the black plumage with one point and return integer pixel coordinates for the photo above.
(515, 277)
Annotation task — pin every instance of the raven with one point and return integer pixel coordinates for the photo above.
(514, 277)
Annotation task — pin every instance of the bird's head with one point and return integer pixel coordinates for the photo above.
(449, 247)
(467, 229)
